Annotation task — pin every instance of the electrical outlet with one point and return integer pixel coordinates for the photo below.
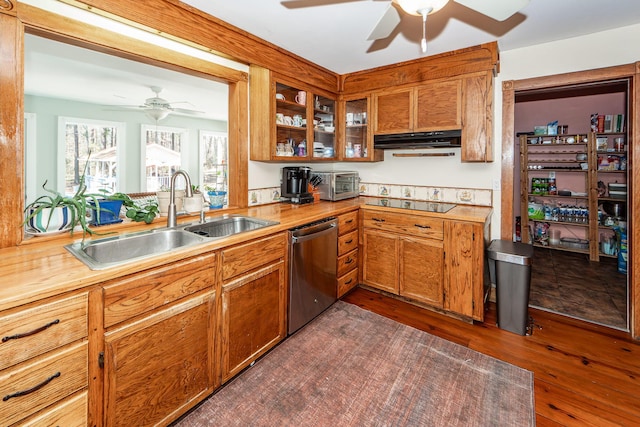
(496, 185)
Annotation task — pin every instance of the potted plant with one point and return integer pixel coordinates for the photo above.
(146, 212)
(194, 203)
(55, 212)
(216, 197)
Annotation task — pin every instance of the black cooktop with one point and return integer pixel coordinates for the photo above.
(412, 204)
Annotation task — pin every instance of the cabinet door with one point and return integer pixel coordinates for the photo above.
(421, 266)
(464, 269)
(393, 111)
(253, 317)
(380, 260)
(438, 106)
(158, 367)
(477, 118)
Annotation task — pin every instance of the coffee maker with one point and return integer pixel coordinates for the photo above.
(295, 184)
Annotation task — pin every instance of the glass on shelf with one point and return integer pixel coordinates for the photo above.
(324, 129)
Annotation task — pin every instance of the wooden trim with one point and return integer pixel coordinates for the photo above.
(631, 71)
(11, 130)
(238, 124)
(508, 160)
(446, 65)
(633, 263)
(184, 22)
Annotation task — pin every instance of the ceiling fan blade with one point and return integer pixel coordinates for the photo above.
(387, 23)
(296, 4)
(496, 9)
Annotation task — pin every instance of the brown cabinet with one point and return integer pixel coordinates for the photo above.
(355, 136)
(159, 342)
(347, 267)
(432, 106)
(253, 315)
(289, 120)
(403, 255)
(465, 272)
(464, 102)
(477, 118)
(44, 360)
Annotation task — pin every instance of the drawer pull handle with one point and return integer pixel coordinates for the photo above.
(32, 389)
(35, 331)
(422, 226)
(378, 219)
(349, 241)
(348, 221)
(348, 282)
(348, 261)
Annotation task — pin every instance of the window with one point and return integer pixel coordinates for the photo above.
(95, 141)
(163, 150)
(214, 160)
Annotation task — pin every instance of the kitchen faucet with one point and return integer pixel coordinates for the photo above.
(172, 213)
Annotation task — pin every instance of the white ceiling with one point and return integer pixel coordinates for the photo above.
(334, 34)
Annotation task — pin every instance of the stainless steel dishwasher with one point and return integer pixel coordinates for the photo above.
(312, 270)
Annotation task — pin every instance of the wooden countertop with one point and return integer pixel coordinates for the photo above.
(41, 267)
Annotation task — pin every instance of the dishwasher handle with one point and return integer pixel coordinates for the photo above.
(312, 231)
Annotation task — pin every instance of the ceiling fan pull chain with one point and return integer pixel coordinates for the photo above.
(423, 42)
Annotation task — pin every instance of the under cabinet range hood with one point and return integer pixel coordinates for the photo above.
(435, 139)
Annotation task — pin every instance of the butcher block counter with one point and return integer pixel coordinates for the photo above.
(41, 267)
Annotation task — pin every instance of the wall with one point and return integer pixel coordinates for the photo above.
(598, 50)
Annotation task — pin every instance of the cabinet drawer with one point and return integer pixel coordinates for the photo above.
(347, 262)
(347, 282)
(347, 222)
(48, 378)
(348, 242)
(29, 332)
(146, 291)
(414, 225)
(71, 412)
(243, 258)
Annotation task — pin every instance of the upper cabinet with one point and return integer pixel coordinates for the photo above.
(463, 102)
(429, 107)
(290, 121)
(355, 138)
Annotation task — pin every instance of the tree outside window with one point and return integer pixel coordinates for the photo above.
(162, 150)
(214, 160)
(96, 142)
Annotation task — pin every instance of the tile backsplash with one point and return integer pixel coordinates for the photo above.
(463, 196)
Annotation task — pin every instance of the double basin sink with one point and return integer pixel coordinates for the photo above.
(113, 251)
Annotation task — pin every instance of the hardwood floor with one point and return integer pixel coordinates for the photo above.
(584, 374)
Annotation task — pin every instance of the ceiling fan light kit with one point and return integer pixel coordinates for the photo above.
(419, 7)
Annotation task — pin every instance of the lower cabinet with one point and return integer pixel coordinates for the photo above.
(159, 358)
(407, 266)
(159, 366)
(465, 268)
(254, 290)
(403, 255)
(429, 260)
(347, 263)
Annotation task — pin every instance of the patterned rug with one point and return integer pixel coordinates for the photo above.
(351, 367)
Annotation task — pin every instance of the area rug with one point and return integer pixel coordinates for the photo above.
(351, 367)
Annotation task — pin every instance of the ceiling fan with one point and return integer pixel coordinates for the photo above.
(495, 9)
(158, 108)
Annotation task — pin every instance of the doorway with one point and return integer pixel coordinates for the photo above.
(564, 147)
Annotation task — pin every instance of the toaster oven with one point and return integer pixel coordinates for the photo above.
(337, 185)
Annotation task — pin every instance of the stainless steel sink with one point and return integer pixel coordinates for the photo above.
(111, 251)
(226, 226)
